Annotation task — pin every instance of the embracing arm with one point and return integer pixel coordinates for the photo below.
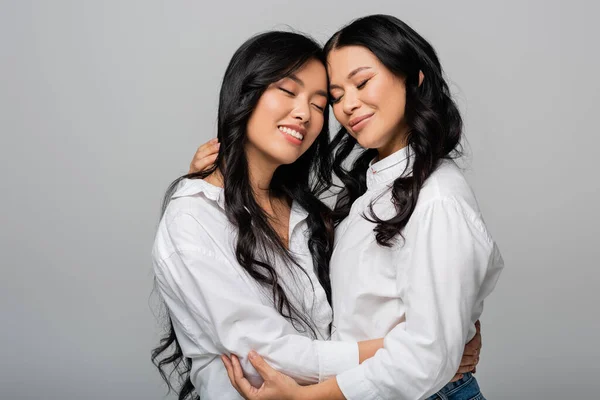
(222, 301)
(453, 265)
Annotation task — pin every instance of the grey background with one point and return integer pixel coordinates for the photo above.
(102, 104)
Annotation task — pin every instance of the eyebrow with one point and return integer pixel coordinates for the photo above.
(350, 75)
(299, 82)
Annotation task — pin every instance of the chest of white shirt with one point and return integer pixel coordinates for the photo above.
(358, 260)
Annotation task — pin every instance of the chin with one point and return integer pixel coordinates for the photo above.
(372, 141)
(367, 142)
(285, 159)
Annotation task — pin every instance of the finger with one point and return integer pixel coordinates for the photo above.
(201, 164)
(207, 148)
(469, 360)
(229, 368)
(463, 369)
(261, 366)
(244, 386)
(471, 351)
(472, 348)
(207, 151)
(207, 144)
(457, 377)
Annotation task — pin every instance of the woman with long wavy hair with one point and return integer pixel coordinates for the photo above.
(413, 259)
(241, 255)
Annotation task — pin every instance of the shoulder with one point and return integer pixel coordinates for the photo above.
(446, 183)
(193, 220)
(448, 192)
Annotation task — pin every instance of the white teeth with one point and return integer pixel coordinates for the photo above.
(291, 132)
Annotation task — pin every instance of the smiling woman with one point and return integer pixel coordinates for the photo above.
(241, 256)
(368, 95)
(291, 108)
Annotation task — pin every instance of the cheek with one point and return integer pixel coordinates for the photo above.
(376, 93)
(389, 99)
(317, 121)
(262, 118)
(339, 114)
(395, 106)
(316, 126)
(269, 107)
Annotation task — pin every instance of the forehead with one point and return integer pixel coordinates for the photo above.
(342, 61)
(313, 75)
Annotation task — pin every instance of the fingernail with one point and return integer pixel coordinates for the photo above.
(214, 140)
(218, 145)
(252, 355)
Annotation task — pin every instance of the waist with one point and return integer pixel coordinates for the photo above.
(465, 388)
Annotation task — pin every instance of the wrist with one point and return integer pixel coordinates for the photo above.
(303, 393)
(368, 348)
(328, 390)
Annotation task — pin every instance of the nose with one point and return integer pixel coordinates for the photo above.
(301, 111)
(350, 102)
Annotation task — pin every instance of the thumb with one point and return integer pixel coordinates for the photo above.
(261, 366)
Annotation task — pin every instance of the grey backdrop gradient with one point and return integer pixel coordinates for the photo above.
(103, 103)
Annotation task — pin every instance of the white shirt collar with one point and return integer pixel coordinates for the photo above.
(191, 187)
(390, 168)
(297, 215)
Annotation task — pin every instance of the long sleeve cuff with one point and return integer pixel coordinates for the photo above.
(336, 357)
(355, 386)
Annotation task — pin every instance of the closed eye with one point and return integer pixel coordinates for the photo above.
(333, 100)
(287, 91)
(318, 107)
(363, 83)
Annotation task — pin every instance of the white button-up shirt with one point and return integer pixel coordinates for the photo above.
(423, 294)
(217, 308)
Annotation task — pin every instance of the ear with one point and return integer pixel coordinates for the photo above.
(421, 77)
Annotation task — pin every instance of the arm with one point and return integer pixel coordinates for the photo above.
(444, 277)
(451, 268)
(276, 386)
(203, 290)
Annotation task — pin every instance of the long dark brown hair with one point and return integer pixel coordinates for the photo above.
(259, 62)
(435, 124)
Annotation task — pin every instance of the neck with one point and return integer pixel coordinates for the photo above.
(398, 141)
(260, 172)
(216, 178)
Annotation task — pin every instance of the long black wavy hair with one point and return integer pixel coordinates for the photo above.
(433, 120)
(259, 62)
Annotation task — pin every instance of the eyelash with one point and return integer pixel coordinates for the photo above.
(359, 87)
(293, 94)
(287, 91)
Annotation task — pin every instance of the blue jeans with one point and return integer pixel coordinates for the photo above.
(465, 388)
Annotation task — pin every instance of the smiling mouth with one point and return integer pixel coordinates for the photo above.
(358, 120)
(291, 132)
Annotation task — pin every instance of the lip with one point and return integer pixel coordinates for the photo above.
(289, 138)
(297, 128)
(358, 122)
